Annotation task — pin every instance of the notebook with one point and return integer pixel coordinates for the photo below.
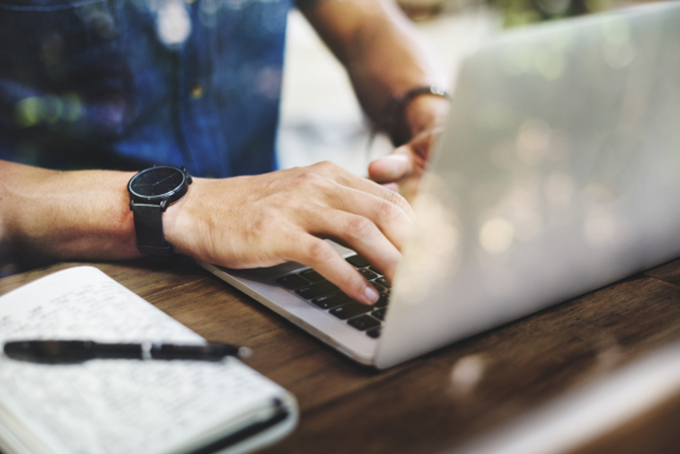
(558, 172)
(124, 406)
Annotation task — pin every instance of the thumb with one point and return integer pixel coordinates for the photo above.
(390, 168)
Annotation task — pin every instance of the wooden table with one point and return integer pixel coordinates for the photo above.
(416, 407)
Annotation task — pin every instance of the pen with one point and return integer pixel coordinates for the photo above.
(78, 351)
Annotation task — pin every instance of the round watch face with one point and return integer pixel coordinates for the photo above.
(157, 182)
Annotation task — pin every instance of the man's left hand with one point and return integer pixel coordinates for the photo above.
(402, 169)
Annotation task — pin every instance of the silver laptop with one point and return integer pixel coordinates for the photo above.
(558, 173)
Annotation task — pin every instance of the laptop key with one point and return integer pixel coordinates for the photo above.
(292, 281)
(330, 301)
(351, 309)
(315, 290)
(379, 313)
(364, 322)
(368, 274)
(358, 261)
(374, 333)
(379, 288)
(312, 275)
(384, 282)
(382, 301)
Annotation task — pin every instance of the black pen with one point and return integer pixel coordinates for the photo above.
(78, 351)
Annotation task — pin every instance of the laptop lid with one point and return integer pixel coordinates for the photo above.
(558, 173)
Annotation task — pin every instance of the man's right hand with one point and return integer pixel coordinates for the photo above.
(265, 220)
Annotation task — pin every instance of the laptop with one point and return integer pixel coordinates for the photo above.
(558, 172)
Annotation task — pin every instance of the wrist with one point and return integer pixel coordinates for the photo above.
(425, 113)
(186, 223)
(419, 109)
(151, 192)
(178, 220)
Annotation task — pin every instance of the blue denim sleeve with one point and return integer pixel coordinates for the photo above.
(107, 84)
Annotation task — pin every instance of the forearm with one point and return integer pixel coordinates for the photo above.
(241, 222)
(52, 215)
(388, 62)
(384, 58)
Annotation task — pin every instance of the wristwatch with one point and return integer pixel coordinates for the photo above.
(151, 192)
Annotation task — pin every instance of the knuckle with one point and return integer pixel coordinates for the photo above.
(319, 251)
(310, 179)
(359, 226)
(264, 222)
(388, 211)
(326, 166)
(395, 198)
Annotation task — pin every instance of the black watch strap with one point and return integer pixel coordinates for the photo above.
(149, 230)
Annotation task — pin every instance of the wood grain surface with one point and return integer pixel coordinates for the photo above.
(434, 403)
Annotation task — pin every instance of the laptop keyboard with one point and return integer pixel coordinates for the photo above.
(324, 295)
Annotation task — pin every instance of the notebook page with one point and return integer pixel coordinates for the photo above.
(115, 406)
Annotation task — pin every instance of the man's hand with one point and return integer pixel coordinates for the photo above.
(241, 222)
(265, 220)
(402, 169)
(385, 59)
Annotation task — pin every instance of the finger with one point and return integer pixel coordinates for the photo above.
(391, 186)
(426, 142)
(391, 168)
(362, 235)
(385, 215)
(345, 178)
(320, 255)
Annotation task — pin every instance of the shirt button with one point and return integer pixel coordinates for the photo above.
(197, 91)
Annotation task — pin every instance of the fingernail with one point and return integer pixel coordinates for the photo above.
(371, 294)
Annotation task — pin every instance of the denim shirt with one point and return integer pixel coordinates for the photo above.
(125, 84)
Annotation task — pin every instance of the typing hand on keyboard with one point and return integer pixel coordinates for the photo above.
(313, 287)
(265, 220)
